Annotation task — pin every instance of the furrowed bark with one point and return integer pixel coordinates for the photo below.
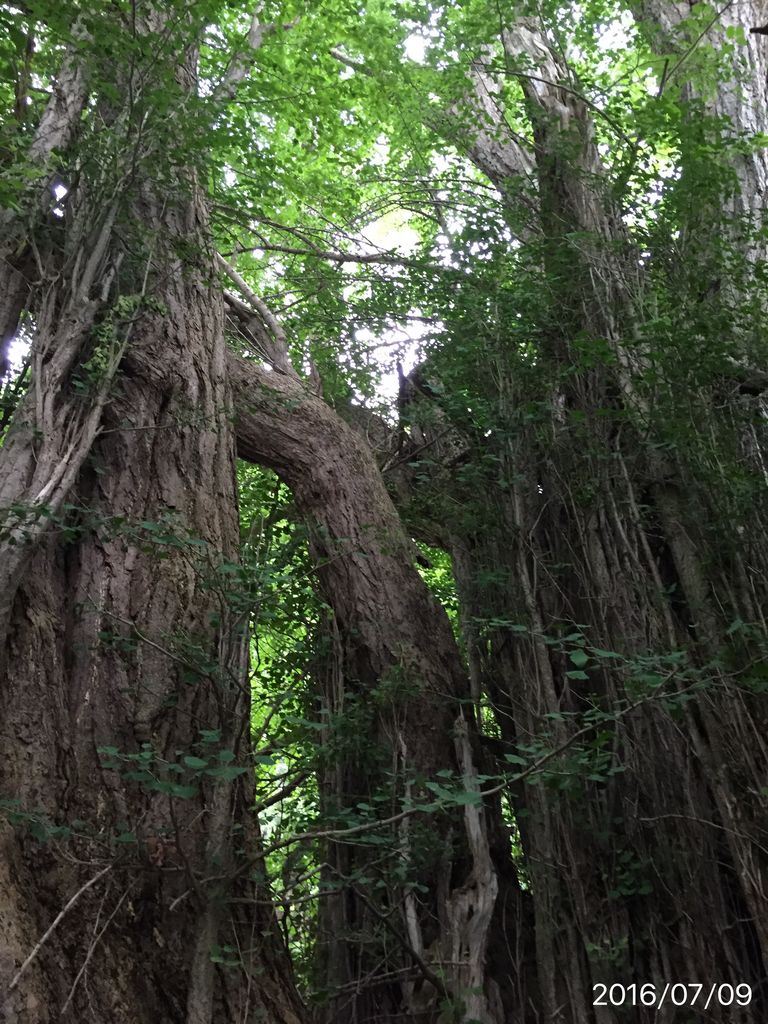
(598, 529)
(96, 662)
(120, 648)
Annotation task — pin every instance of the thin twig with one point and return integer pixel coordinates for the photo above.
(54, 925)
(91, 949)
(342, 257)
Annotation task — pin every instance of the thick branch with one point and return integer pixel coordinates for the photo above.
(266, 327)
(366, 559)
(242, 61)
(493, 148)
(389, 621)
(55, 132)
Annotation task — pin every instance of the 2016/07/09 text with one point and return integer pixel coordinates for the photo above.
(674, 993)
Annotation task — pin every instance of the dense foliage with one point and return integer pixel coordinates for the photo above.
(510, 262)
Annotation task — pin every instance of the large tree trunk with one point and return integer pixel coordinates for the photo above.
(126, 868)
(122, 658)
(121, 637)
(599, 532)
(123, 878)
(738, 107)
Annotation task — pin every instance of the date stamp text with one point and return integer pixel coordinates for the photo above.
(676, 993)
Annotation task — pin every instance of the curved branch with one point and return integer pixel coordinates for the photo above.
(365, 557)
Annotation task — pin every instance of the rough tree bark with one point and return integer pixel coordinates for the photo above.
(119, 501)
(117, 637)
(120, 651)
(739, 105)
(598, 528)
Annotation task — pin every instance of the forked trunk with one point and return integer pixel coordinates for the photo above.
(121, 638)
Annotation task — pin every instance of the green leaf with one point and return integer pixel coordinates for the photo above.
(227, 772)
(579, 658)
(195, 762)
(183, 792)
(467, 797)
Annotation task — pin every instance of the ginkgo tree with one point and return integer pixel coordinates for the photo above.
(224, 700)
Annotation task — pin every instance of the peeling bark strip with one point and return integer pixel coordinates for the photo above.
(471, 908)
(55, 132)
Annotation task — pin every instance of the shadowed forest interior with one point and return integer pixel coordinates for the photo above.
(383, 476)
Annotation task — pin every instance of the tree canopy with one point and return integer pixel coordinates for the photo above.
(383, 551)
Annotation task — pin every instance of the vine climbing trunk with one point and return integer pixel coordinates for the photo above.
(609, 547)
(120, 897)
